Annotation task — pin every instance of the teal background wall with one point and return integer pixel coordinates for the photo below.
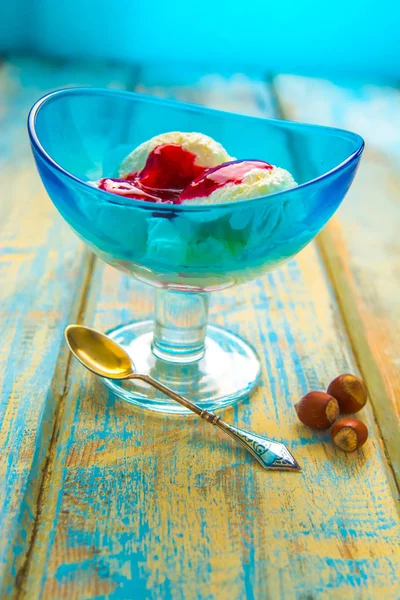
(300, 36)
(12, 26)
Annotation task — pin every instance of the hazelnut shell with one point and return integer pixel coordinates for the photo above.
(317, 410)
(349, 434)
(350, 392)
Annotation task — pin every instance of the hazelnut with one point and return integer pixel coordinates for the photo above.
(349, 434)
(317, 410)
(350, 392)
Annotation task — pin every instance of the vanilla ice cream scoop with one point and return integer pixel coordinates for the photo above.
(237, 180)
(161, 168)
(199, 149)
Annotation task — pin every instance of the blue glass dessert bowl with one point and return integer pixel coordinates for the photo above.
(186, 251)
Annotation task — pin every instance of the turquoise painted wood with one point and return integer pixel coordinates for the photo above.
(361, 247)
(131, 505)
(43, 269)
(145, 507)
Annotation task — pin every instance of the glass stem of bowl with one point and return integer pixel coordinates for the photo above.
(180, 325)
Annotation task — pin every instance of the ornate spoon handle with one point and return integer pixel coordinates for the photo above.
(270, 454)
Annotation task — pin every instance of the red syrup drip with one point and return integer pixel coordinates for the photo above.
(217, 177)
(129, 189)
(169, 169)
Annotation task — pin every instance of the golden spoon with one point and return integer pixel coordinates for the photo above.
(106, 358)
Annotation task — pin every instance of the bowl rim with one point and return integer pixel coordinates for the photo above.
(187, 207)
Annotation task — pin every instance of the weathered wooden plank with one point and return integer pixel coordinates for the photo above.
(144, 506)
(43, 270)
(362, 247)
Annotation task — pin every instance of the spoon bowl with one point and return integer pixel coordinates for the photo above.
(99, 353)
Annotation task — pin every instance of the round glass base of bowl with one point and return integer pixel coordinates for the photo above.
(228, 372)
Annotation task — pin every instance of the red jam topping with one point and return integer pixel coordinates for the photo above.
(230, 172)
(168, 170)
(169, 167)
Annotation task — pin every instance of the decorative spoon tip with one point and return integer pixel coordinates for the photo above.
(284, 459)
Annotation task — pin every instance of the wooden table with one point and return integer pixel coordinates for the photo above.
(99, 500)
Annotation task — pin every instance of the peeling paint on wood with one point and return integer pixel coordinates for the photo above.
(42, 270)
(129, 513)
(362, 246)
(130, 510)
(134, 505)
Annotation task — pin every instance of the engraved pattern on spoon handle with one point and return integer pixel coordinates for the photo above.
(270, 454)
